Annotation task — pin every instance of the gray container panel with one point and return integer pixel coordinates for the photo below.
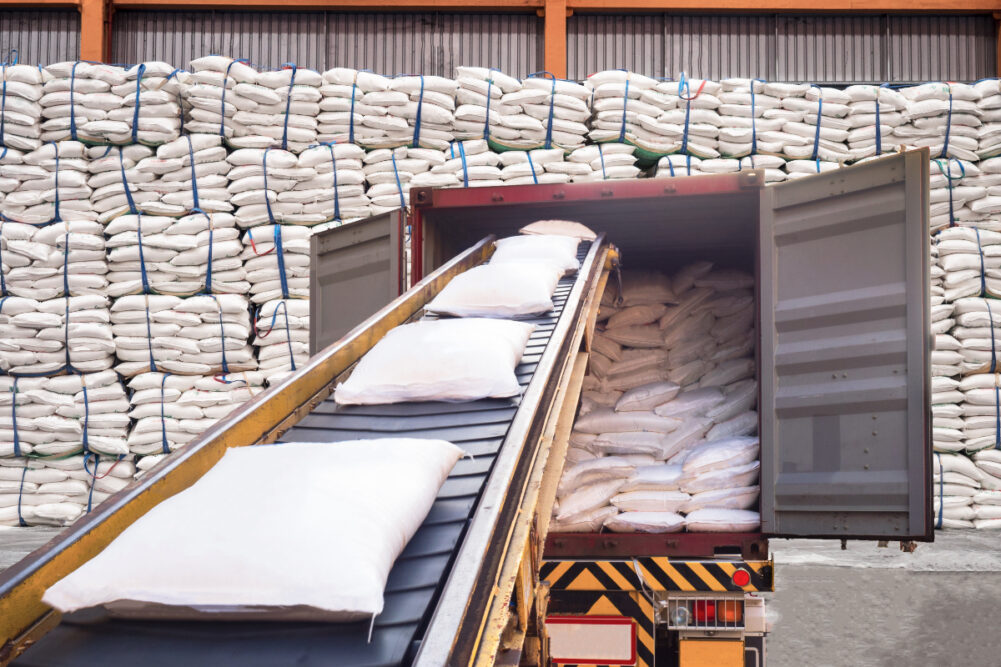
(355, 270)
(845, 381)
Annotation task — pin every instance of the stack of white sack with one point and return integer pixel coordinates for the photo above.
(981, 408)
(970, 263)
(173, 410)
(467, 164)
(772, 166)
(489, 107)
(946, 361)
(561, 107)
(58, 166)
(942, 116)
(285, 116)
(276, 260)
(388, 172)
(873, 113)
(281, 338)
(989, 104)
(956, 195)
(536, 166)
(191, 176)
(217, 88)
(261, 182)
(667, 419)
(55, 335)
(61, 259)
(631, 108)
(115, 182)
(20, 110)
(984, 212)
(63, 415)
(179, 256)
(967, 493)
(413, 111)
(58, 491)
(978, 330)
(602, 162)
(337, 192)
(199, 335)
(108, 104)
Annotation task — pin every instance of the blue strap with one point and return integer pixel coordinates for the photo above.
(601, 155)
(125, 181)
(399, 186)
(465, 168)
(947, 172)
(267, 200)
(3, 279)
(486, 119)
(817, 162)
(688, 117)
(670, 168)
(13, 419)
(68, 364)
(288, 105)
(57, 217)
(754, 128)
(149, 340)
(142, 258)
(983, 276)
(552, 102)
(93, 477)
(66, 268)
(194, 177)
(72, 103)
(3, 108)
(417, 121)
(135, 114)
(222, 338)
(941, 490)
(948, 127)
(990, 324)
(288, 336)
(86, 415)
(208, 266)
(879, 131)
(163, 423)
(179, 101)
(820, 115)
(20, 492)
(535, 179)
(625, 102)
(222, 101)
(688, 164)
(280, 254)
(997, 410)
(351, 119)
(337, 196)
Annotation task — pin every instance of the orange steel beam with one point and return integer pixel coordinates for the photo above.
(94, 30)
(341, 5)
(555, 37)
(779, 6)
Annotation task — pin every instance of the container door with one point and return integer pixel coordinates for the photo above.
(845, 351)
(355, 270)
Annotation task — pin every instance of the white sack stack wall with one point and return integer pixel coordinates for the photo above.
(168, 184)
(666, 438)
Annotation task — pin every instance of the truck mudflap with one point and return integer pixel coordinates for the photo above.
(659, 574)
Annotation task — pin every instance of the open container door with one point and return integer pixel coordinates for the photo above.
(355, 270)
(845, 350)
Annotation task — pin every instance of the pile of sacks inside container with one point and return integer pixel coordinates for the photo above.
(666, 439)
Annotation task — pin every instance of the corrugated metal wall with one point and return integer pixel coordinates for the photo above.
(389, 43)
(41, 36)
(834, 49)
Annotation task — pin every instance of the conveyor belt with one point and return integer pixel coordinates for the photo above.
(92, 638)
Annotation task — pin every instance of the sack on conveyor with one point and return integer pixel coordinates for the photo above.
(171, 411)
(503, 290)
(282, 338)
(56, 492)
(139, 573)
(558, 252)
(63, 415)
(460, 360)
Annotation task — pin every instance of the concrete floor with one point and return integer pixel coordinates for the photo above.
(864, 607)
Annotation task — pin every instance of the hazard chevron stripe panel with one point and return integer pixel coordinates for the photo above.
(658, 574)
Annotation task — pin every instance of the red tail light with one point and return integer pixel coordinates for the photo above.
(741, 578)
(704, 611)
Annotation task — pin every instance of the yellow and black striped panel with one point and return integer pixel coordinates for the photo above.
(634, 605)
(659, 574)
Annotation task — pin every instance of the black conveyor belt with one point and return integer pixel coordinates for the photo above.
(93, 639)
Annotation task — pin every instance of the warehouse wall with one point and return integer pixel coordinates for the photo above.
(40, 35)
(426, 43)
(832, 49)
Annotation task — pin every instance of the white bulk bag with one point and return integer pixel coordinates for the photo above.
(447, 360)
(560, 251)
(505, 290)
(242, 541)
